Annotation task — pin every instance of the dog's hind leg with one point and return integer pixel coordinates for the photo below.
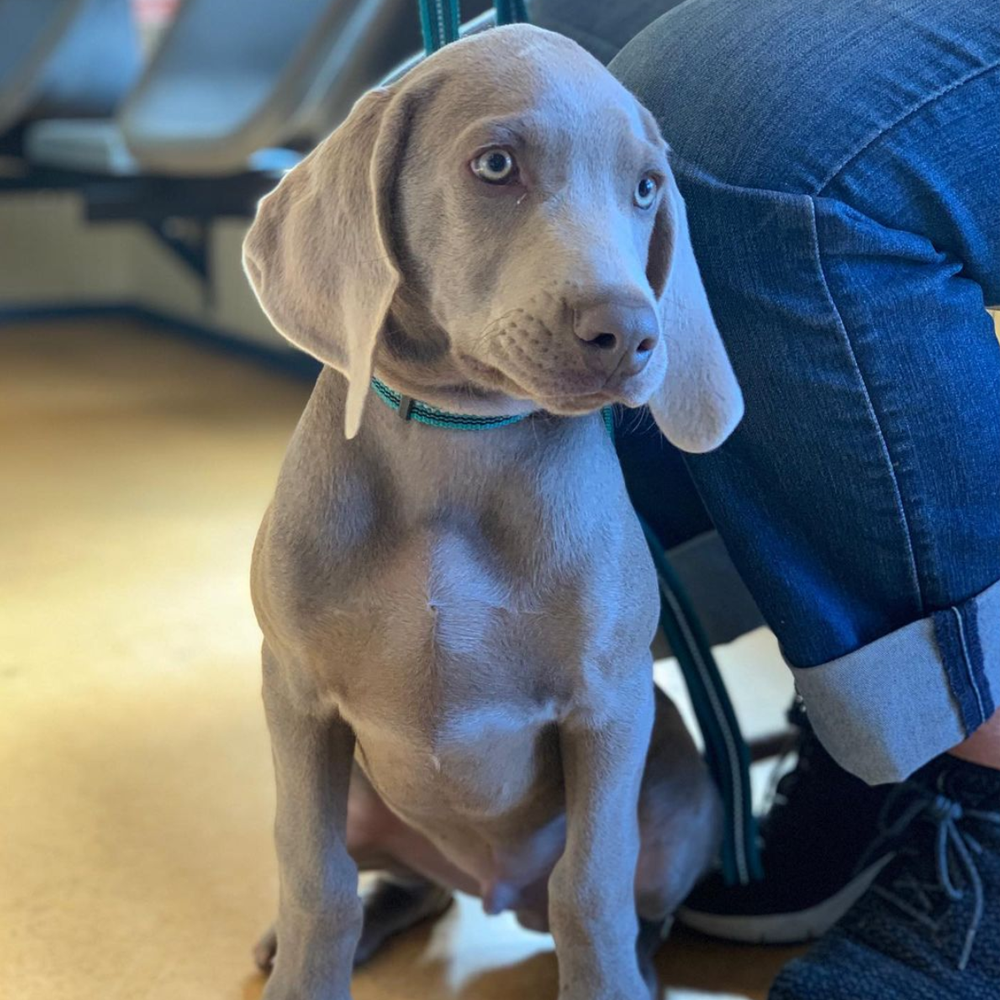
(411, 885)
(680, 817)
(680, 823)
(394, 905)
(651, 936)
(400, 896)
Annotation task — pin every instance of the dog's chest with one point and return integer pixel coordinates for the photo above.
(461, 687)
(454, 612)
(451, 644)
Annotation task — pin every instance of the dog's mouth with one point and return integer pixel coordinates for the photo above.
(570, 395)
(486, 375)
(576, 406)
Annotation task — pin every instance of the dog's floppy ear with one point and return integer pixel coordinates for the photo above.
(699, 403)
(318, 253)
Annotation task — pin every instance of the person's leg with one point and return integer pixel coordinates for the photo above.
(983, 746)
(601, 28)
(841, 165)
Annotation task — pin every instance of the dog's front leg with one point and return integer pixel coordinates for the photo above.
(319, 912)
(592, 909)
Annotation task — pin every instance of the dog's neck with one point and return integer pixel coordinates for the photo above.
(414, 358)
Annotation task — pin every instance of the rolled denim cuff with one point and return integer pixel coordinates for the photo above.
(888, 708)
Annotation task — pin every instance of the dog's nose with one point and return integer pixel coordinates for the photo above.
(618, 336)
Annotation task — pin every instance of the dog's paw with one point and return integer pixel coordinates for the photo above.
(619, 984)
(265, 950)
(299, 985)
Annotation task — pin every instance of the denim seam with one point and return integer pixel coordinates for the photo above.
(886, 129)
(977, 660)
(955, 656)
(968, 666)
(900, 509)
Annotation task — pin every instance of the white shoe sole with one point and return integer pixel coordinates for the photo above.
(783, 928)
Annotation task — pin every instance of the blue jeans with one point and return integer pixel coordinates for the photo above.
(841, 166)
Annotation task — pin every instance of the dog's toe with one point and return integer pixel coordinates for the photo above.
(265, 949)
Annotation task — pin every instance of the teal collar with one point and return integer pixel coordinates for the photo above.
(423, 413)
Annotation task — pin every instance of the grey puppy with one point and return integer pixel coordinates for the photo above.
(457, 625)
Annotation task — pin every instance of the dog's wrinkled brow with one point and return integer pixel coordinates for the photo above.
(641, 129)
(517, 131)
(523, 131)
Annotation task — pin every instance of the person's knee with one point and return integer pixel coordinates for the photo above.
(716, 88)
(775, 94)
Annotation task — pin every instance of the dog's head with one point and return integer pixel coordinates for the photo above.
(504, 217)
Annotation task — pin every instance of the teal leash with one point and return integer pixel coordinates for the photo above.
(439, 20)
(511, 12)
(726, 752)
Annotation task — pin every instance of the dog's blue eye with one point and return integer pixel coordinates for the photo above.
(645, 191)
(495, 166)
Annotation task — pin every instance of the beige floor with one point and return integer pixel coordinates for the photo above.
(135, 798)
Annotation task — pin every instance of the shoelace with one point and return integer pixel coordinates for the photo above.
(955, 851)
(783, 779)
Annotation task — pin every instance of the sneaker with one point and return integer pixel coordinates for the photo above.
(819, 829)
(929, 926)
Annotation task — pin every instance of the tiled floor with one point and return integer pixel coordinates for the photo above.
(135, 814)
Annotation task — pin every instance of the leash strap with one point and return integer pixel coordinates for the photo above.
(726, 752)
(439, 20)
(439, 23)
(511, 12)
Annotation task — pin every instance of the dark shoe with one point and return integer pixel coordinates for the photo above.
(821, 824)
(929, 926)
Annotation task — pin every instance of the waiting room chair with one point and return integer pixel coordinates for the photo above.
(232, 78)
(71, 58)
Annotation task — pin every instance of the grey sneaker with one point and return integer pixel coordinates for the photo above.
(929, 926)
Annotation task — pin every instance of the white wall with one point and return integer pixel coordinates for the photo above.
(51, 256)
